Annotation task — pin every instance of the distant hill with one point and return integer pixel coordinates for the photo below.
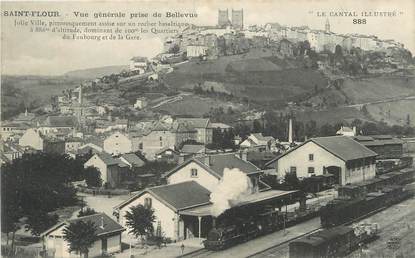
(91, 73)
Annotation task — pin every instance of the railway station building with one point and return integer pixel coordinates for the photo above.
(346, 159)
(182, 207)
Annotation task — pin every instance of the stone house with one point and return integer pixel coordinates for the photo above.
(108, 234)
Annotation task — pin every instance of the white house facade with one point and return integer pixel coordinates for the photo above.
(118, 143)
(347, 159)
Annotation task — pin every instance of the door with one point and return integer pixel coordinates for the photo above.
(104, 246)
(336, 172)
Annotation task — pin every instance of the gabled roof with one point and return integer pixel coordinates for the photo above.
(60, 121)
(176, 196)
(89, 147)
(139, 59)
(133, 159)
(260, 137)
(378, 140)
(166, 149)
(104, 224)
(217, 163)
(220, 126)
(109, 160)
(193, 148)
(194, 122)
(345, 129)
(343, 147)
(159, 126)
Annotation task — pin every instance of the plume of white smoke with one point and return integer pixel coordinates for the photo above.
(233, 186)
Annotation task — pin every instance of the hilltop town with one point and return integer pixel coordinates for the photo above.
(226, 119)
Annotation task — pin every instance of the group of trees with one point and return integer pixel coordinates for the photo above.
(276, 125)
(222, 140)
(34, 186)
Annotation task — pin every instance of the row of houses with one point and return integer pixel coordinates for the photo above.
(161, 136)
(183, 207)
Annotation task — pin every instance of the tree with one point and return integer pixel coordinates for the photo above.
(93, 177)
(338, 51)
(38, 222)
(34, 185)
(140, 220)
(174, 49)
(80, 235)
(86, 212)
(292, 180)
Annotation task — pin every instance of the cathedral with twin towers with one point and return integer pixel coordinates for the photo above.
(237, 21)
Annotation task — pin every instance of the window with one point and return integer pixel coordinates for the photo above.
(147, 203)
(293, 169)
(193, 172)
(311, 170)
(161, 138)
(310, 157)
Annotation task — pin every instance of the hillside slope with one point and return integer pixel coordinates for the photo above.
(92, 73)
(259, 79)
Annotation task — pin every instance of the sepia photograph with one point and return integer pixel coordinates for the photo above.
(207, 128)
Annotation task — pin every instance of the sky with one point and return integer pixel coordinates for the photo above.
(23, 52)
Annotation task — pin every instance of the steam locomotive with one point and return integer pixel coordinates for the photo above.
(243, 229)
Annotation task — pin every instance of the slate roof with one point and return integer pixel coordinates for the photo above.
(60, 121)
(343, 147)
(260, 137)
(378, 140)
(195, 122)
(109, 225)
(193, 148)
(133, 159)
(177, 196)
(109, 160)
(221, 161)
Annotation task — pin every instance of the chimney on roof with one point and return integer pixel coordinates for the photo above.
(243, 155)
(207, 160)
(290, 131)
(102, 222)
(181, 159)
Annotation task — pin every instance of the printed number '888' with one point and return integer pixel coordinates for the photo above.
(359, 21)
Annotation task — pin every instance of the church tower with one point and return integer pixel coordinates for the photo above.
(327, 26)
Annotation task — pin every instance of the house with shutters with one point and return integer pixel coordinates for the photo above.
(258, 141)
(167, 201)
(59, 124)
(346, 159)
(182, 207)
(111, 169)
(208, 170)
(118, 143)
(36, 140)
(108, 239)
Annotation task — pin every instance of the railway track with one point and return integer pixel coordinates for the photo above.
(198, 253)
(273, 249)
(282, 247)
